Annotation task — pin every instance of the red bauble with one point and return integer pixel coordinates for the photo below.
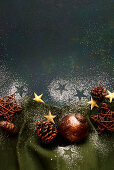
(74, 127)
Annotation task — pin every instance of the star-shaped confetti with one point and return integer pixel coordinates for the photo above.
(50, 117)
(110, 96)
(38, 98)
(92, 103)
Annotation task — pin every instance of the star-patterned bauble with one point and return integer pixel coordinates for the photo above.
(93, 103)
(110, 96)
(38, 98)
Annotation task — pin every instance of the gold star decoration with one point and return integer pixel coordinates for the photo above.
(92, 103)
(110, 96)
(38, 98)
(50, 117)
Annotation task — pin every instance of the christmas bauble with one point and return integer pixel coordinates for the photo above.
(46, 131)
(98, 93)
(74, 127)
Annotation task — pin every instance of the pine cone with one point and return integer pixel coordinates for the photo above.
(9, 127)
(98, 93)
(46, 131)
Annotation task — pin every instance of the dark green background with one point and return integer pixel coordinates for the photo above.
(25, 152)
(44, 41)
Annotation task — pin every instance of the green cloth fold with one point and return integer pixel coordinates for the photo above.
(25, 152)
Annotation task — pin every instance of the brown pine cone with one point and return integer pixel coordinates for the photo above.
(46, 131)
(9, 127)
(98, 93)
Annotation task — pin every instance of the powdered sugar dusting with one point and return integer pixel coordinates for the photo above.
(10, 85)
(19, 88)
(103, 145)
(70, 154)
(69, 90)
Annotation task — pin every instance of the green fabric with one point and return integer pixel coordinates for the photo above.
(25, 152)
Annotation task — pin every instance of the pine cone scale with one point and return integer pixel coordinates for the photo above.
(46, 131)
(98, 93)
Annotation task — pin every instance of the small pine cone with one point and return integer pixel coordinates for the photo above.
(98, 93)
(9, 127)
(46, 131)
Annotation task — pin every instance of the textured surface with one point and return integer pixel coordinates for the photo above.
(61, 48)
(25, 152)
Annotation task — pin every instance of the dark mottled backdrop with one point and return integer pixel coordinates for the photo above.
(57, 47)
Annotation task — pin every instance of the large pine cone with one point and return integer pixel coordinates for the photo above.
(46, 131)
(98, 93)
